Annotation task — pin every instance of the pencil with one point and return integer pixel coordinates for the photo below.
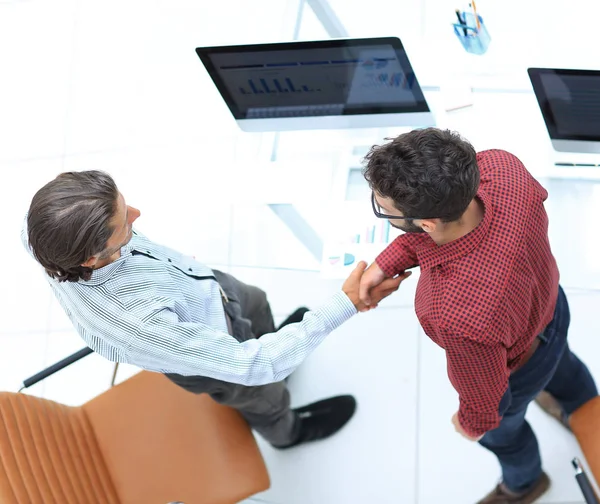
(475, 14)
(461, 21)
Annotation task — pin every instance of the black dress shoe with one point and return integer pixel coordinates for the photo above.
(297, 316)
(322, 419)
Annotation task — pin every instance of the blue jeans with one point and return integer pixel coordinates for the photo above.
(554, 368)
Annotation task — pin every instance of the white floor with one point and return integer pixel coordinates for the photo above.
(137, 104)
(401, 446)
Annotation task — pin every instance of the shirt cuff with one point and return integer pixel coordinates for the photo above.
(484, 425)
(337, 310)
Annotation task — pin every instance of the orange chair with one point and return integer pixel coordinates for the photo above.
(144, 441)
(585, 424)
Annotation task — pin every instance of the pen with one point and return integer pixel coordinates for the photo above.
(475, 14)
(461, 21)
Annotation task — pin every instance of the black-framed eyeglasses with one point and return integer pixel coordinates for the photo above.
(377, 211)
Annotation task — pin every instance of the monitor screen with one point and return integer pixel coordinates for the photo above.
(311, 79)
(569, 101)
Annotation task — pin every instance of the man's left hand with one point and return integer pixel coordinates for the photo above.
(461, 431)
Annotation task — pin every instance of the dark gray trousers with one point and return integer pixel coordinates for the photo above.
(265, 408)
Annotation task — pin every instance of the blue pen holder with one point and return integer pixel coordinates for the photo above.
(474, 41)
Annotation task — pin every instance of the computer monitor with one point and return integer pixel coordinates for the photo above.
(332, 84)
(570, 104)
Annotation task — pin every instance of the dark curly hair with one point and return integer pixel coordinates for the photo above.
(428, 173)
(69, 222)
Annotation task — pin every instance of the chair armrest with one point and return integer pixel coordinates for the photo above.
(50, 370)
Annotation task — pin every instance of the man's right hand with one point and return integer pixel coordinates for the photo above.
(371, 278)
(380, 288)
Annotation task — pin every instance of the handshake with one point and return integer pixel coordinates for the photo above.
(366, 287)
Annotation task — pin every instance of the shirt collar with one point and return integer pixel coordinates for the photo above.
(431, 254)
(103, 274)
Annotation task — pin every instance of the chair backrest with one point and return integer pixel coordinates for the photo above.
(49, 454)
(144, 441)
(163, 444)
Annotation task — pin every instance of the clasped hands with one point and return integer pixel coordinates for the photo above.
(366, 287)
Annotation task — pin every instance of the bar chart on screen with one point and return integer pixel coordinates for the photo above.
(275, 85)
(353, 241)
(373, 233)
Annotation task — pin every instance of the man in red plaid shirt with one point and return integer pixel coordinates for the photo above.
(488, 293)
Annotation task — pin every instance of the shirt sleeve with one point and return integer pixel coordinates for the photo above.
(398, 256)
(479, 374)
(165, 344)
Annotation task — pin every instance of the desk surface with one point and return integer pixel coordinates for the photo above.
(510, 121)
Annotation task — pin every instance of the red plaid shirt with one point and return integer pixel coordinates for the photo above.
(485, 297)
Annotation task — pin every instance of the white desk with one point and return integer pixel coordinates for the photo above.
(314, 166)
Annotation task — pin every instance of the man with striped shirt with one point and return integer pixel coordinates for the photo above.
(137, 302)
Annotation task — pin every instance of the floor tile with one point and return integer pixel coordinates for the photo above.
(21, 356)
(152, 88)
(584, 331)
(36, 70)
(574, 242)
(82, 380)
(26, 309)
(373, 458)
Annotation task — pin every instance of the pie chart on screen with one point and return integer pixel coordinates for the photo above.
(346, 260)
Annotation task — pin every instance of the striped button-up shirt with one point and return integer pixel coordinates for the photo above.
(162, 311)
